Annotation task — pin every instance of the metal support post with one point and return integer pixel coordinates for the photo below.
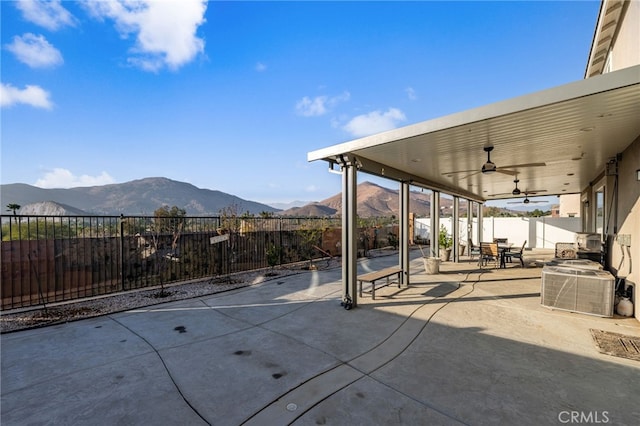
(480, 223)
(349, 232)
(404, 233)
(455, 229)
(434, 245)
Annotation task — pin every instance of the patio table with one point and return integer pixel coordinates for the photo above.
(503, 248)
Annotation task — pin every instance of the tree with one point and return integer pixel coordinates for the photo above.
(310, 233)
(174, 211)
(273, 257)
(492, 211)
(169, 219)
(229, 221)
(538, 213)
(166, 220)
(13, 207)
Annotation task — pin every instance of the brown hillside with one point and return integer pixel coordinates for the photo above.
(373, 200)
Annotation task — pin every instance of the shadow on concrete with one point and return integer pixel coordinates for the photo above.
(286, 352)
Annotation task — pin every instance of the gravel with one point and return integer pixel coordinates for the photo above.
(59, 313)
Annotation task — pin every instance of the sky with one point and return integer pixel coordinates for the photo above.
(231, 96)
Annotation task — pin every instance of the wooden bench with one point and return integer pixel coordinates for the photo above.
(374, 276)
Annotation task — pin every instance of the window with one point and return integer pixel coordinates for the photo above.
(600, 211)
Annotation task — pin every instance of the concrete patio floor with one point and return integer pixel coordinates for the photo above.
(461, 347)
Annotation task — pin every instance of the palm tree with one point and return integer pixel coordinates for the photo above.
(13, 207)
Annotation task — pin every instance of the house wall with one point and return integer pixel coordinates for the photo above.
(622, 201)
(625, 51)
(622, 195)
(625, 245)
(570, 205)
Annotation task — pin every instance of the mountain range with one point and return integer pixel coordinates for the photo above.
(144, 196)
(138, 197)
(372, 201)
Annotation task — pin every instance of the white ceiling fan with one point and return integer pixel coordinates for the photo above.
(489, 167)
(527, 200)
(516, 191)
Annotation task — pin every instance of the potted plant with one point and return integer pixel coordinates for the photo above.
(431, 264)
(445, 242)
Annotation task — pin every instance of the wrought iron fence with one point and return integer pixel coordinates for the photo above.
(58, 258)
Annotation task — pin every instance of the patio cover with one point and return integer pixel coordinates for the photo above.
(555, 141)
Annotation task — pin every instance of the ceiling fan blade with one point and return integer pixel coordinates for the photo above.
(459, 171)
(530, 202)
(506, 172)
(515, 166)
(534, 191)
(470, 174)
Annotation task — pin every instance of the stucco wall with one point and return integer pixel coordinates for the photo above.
(625, 51)
(570, 205)
(628, 220)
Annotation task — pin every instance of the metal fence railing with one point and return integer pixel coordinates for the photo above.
(58, 258)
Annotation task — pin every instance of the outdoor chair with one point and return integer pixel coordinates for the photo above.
(473, 250)
(517, 254)
(489, 253)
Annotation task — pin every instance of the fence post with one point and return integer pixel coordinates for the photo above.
(122, 252)
(280, 236)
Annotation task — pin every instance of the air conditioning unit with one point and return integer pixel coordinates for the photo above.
(586, 291)
(575, 263)
(586, 241)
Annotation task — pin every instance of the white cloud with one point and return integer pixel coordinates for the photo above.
(35, 51)
(260, 67)
(312, 107)
(30, 95)
(48, 14)
(311, 188)
(63, 178)
(345, 96)
(411, 94)
(374, 122)
(165, 31)
(319, 105)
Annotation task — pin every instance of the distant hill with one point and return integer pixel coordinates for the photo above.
(373, 201)
(50, 208)
(144, 196)
(286, 206)
(138, 197)
(312, 209)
